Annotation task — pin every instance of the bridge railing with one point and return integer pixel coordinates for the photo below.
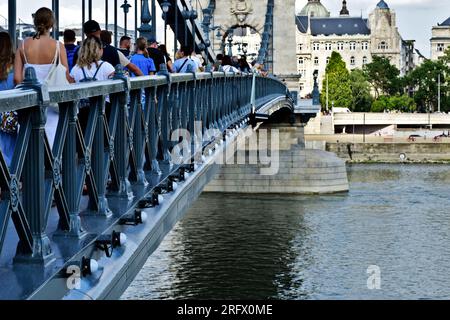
(105, 148)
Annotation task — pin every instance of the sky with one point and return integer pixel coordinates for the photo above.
(414, 17)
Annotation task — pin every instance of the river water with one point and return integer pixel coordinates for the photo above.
(396, 217)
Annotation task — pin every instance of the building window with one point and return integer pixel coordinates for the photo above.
(328, 46)
(301, 61)
(365, 46)
(302, 74)
(352, 61)
(316, 46)
(316, 61)
(440, 47)
(340, 46)
(300, 47)
(328, 60)
(353, 46)
(364, 60)
(382, 45)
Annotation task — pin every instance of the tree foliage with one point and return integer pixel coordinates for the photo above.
(339, 89)
(401, 103)
(425, 80)
(361, 97)
(383, 76)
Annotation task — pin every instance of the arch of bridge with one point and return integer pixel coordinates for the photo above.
(230, 14)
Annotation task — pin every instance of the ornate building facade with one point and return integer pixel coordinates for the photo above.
(357, 39)
(440, 39)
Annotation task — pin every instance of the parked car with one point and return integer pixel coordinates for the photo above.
(414, 137)
(439, 137)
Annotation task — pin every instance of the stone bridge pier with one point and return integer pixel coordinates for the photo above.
(272, 158)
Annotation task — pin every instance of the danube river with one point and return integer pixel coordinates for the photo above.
(396, 217)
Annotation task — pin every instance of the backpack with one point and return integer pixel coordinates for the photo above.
(85, 102)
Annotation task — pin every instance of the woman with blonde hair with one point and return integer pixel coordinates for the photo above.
(89, 66)
(43, 54)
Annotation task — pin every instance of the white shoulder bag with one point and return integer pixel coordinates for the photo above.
(57, 74)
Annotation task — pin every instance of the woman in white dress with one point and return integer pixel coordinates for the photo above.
(41, 53)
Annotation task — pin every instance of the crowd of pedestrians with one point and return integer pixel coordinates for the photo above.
(95, 59)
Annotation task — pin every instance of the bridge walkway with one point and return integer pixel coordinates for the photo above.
(60, 204)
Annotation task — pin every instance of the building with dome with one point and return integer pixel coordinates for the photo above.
(315, 8)
(357, 39)
(440, 39)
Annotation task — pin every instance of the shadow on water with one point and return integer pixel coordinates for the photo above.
(237, 251)
(312, 247)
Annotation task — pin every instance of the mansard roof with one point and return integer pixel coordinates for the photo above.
(445, 23)
(337, 26)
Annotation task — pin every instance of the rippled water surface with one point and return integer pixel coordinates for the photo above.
(312, 247)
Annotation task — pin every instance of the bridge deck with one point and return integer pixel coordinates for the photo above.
(222, 100)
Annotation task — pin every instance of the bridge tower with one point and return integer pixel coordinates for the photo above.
(273, 20)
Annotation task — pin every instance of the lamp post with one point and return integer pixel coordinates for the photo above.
(83, 17)
(12, 21)
(115, 23)
(439, 92)
(145, 29)
(90, 9)
(126, 8)
(165, 8)
(190, 15)
(154, 18)
(106, 15)
(230, 43)
(55, 7)
(193, 16)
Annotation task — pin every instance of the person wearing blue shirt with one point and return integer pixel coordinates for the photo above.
(181, 65)
(141, 59)
(71, 47)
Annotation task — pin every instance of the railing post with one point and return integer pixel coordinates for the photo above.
(151, 96)
(138, 137)
(69, 169)
(33, 188)
(166, 105)
(121, 139)
(98, 158)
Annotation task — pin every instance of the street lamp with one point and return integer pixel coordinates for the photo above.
(439, 92)
(165, 8)
(230, 43)
(189, 15)
(146, 29)
(126, 8)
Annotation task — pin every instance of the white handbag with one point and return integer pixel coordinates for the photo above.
(57, 74)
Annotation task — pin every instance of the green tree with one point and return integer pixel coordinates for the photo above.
(401, 103)
(424, 80)
(381, 104)
(339, 90)
(446, 58)
(361, 97)
(383, 76)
